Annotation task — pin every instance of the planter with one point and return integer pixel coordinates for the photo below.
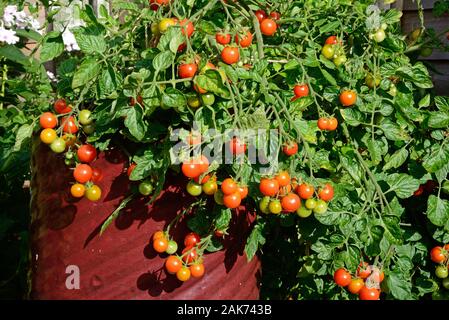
(121, 264)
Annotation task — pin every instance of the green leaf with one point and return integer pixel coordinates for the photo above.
(115, 214)
(173, 98)
(437, 158)
(89, 69)
(212, 82)
(13, 53)
(393, 132)
(24, 132)
(223, 218)
(393, 231)
(255, 239)
(163, 60)
(402, 184)
(400, 285)
(90, 40)
(424, 102)
(331, 26)
(396, 160)
(352, 116)
(52, 47)
(439, 119)
(134, 122)
(329, 77)
(437, 210)
(442, 103)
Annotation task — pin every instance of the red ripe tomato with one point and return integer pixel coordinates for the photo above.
(197, 270)
(283, 178)
(69, 125)
(132, 101)
(48, 120)
(348, 98)
(187, 70)
(229, 186)
(291, 202)
(342, 277)
(230, 55)
(173, 264)
(160, 245)
(187, 27)
(275, 15)
(130, 169)
(268, 27)
(419, 191)
(204, 180)
(191, 169)
(269, 187)
(189, 254)
(198, 89)
(290, 149)
(243, 192)
(82, 173)
(369, 293)
(245, 41)
(182, 47)
(331, 40)
(326, 193)
(301, 90)
(283, 191)
(97, 175)
(203, 163)
(333, 124)
(87, 153)
(323, 123)
(236, 146)
(61, 106)
(437, 255)
(356, 285)
(232, 200)
(305, 191)
(430, 185)
(155, 4)
(223, 38)
(363, 270)
(192, 239)
(260, 15)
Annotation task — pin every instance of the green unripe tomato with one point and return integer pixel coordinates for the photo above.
(69, 155)
(441, 272)
(207, 99)
(275, 207)
(321, 207)
(85, 117)
(69, 162)
(370, 82)
(194, 102)
(145, 188)
(264, 205)
(445, 187)
(384, 26)
(311, 203)
(58, 145)
(194, 188)
(379, 35)
(339, 60)
(218, 197)
(303, 212)
(446, 283)
(89, 128)
(393, 91)
(328, 51)
(172, 247)
(426, 52)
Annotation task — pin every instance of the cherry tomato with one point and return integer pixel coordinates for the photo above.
(61, 107)
(437, 255)
(311, 203)
(166, 23)
(445, 281)
(369, 293)
(232, 200)
(260, 15)
(321, 207)
(301, 90)
(218, 197)
(194, 102)
(194, 188)
(145, 188)
(415, 34)
(183, 274)
(86, 153)
(275, 206)
(223, 38)
(236, 146)
(243, 192)
(189, 255)
(48, 120)
(332, 124)
(172, 247)
(58, 145)
(342, 277)
(264, 205)
(192, 239)
(379, 35)
(85, 117)
(348, 98)
(364, 270)
(210, 187)
(203, 163)
(205, 179)
(155, 4)
(244, 41)
(97, 175)
(132, 101)
(268, 27)
(158, 234)
(331, 40)
(323, 123)
(303, 212)
(187, 70)
(430, 185)
(160, 244)
(48, 135)
(356, 285)
(230, 55)
(269, 187)
(291, 202)
(89, 128)
(93, 193)
(419, 191)
(328, 51)
(290, 149)
(198, 89)
(187, 27)
(305, 191)
(283, 178)
(77, 190)
(69, 139)
(207, 99)
(82, 173)
(229, 186)
(191, 169)
(173, 264)
(339, 60)
(275, 15)
(69, 125)
(197, 270)
(326, 193)
(219, 233)
(371, 82)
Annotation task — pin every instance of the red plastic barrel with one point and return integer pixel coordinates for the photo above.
(121, 264)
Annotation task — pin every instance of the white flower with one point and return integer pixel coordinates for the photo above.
(9, 15)
(51, 76)
(8, 36)
(21, 19)
(69, 41)
(35, 25)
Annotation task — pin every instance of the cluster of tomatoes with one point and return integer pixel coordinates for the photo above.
(366, 283)
(440, 255)
(189, 263)
(284, 194)
(67, 142)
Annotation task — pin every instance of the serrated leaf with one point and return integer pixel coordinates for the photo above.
(163, 60)
(134, 122)
(402, 184)
(396, 160)
(24, 132)
(88, 70)
(254, 241)
(437, 210)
